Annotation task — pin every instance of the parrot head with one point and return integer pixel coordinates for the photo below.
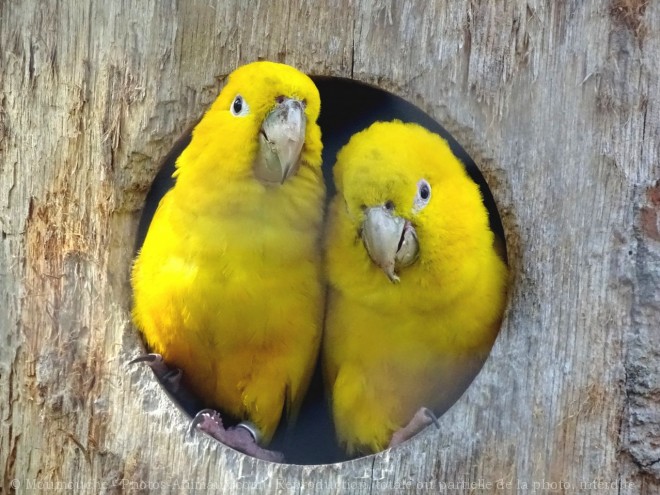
(269, 112)
(414, 210)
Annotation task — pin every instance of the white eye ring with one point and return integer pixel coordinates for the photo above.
(423, 195)
(239, 107)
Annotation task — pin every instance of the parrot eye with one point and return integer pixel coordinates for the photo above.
(423, 195)
(239, 107)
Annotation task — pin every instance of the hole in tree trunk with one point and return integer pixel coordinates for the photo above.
(347, 107)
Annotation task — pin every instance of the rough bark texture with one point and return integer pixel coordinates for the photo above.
(558, 102)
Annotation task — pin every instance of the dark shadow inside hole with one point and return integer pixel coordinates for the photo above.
(347, 107)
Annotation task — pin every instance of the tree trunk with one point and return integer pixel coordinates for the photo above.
(557, 102)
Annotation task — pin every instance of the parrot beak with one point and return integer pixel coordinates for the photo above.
(391, 241)
(281, 139)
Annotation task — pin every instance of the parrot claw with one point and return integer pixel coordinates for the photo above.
(432, 417)
(170, 377)
(202, 419)
(150, 359)
(155, 362)
(242, 437)
(422, 418)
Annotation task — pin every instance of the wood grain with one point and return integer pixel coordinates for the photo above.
(557, 102)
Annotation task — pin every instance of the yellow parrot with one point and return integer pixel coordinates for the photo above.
(228, 283)
(417, 289)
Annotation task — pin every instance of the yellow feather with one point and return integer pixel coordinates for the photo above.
(389, 348)
(227, 285)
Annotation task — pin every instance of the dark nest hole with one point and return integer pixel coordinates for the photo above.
(347, 107)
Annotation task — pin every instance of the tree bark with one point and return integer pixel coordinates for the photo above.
(557, 102)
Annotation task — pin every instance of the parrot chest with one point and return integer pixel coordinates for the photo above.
(231, 298)
(231, 275)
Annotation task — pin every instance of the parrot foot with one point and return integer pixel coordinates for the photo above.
(422, 418)
(242, 437)
(171, 377)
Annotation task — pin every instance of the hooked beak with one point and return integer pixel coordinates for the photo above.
(281, 139)
(391, 241)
